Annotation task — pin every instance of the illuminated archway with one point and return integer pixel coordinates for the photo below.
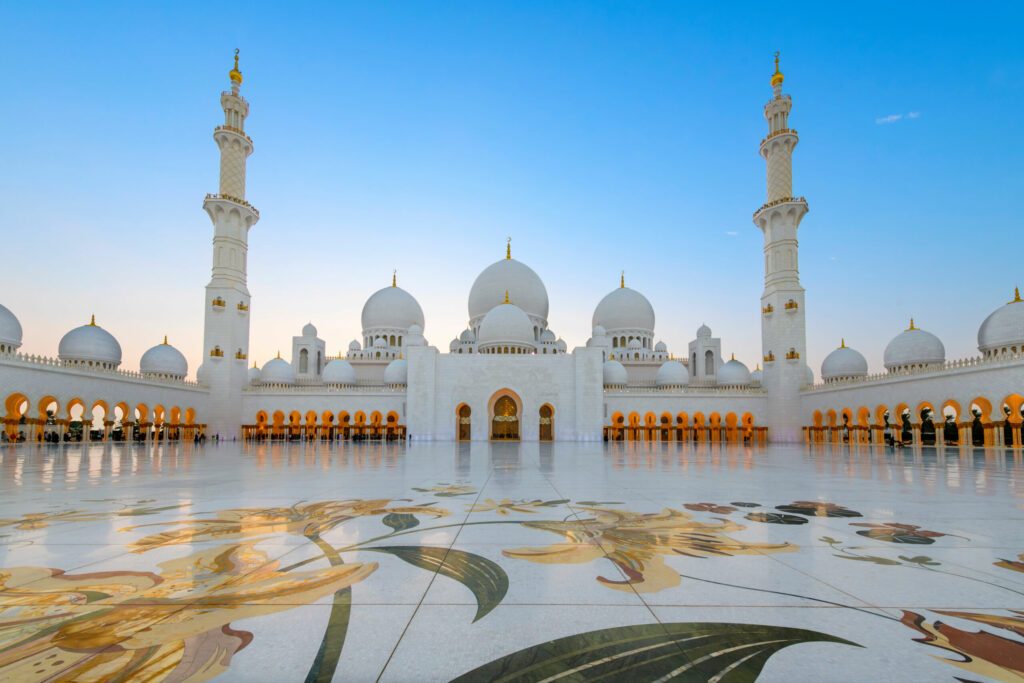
(504, 409)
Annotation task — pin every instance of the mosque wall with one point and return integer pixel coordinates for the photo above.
(570, 384)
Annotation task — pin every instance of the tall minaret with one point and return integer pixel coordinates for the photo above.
(226, 332)
(783, 335)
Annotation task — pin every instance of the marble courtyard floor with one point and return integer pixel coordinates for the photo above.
(570, 562)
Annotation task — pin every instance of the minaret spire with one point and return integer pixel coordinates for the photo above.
(508, 249)
(622, 280)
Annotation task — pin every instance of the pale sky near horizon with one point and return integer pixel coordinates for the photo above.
(601, 136)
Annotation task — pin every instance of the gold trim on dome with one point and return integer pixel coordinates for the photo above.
(1016, 296)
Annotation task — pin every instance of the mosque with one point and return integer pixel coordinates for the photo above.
(508, 375)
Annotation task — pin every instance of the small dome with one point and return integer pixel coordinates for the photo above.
(309, 330)
(548, 337)
(254, 375)
(10, 328)
(508, 275)
(339, 371)
(661, 347)
(467, 336)
(414, 340)
(380, 343)
(90, 343)
(733, 374)
(1002, 330)
(396, 372)
(913, 347)
(808, 375)
(561, 345)
(354, 346)
(844, 362)
(624, 309)
(756, 376)
(415, 329)
(201, 373)
(506, 324)
(277, 371)
(615, 374)
(703, 332)
(672, 374)
(392, 308)
(164, 359)
(634, 344)
(599, 331)
(454, 345)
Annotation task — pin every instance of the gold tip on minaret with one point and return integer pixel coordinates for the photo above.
(506, 297)
(235, 75)
(508, 249)
(92, 320)
(777, 77)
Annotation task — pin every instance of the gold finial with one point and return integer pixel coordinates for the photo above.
(911, 325)
(92, 321)
(508, 249)
(842, 344)
(394, 278)
(777, 77)
(254, 365)
(1016, 296)
(622, 280)
(279, 354)
(757, 368)
(506, 297)
(235, 75)
(165, 340)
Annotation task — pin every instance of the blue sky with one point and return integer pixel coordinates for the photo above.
(600, 136)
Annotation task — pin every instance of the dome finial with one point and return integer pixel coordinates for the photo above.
(911, 325)
(394, 278)
(622, 280)
(92, 320)
(508, 249)
(842, 344)
(235, 75)
(506, 297)
(279, 354)
(1016, 296)
(777, 77)
(732, 356)
(165, 340)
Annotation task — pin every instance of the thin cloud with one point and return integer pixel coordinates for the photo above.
(893, 118)
(731, 233)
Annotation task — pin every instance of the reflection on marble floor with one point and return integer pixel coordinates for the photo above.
(529, 562)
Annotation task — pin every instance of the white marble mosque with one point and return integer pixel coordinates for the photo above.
(507, 375)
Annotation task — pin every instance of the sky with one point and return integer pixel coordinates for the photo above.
(600, 136)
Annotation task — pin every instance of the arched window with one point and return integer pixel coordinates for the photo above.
(303, 360)
(319, 362)
(615, 342)
(709, 363)
(392, 342)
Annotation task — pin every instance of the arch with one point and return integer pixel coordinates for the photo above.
(848, 414)
(618, 418)
(376, 418)
(984, 405)
(683, 419)
(158, 414)
(464, 422)
(278, 419)
(951, 407)
(1014, 402)
(344, 418)
(310, 418)
(880, 411)
(831, 417)
(650, 420)
(546, 418)
(634, 420)
(504, 408)
(817, 419)
(190, 416)
(359, 418)
(863, 417)
(294, 418)
(48, 404)
(142, 413)
(923, 406)
(709, 363)
(175, 415)
(304, 361)
(731, 420)
(261, 418)
(327, 418)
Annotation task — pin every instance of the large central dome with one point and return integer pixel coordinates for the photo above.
(624, 309)
(508, 275)
(391, 308)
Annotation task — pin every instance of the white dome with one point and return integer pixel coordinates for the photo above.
(392, 308)
(547, 336)
(164, 359)
(844, 362)
(672, 373)
(414, 340)
(354, 345)
(506, 324)
(508, 275)
(615, 374)
(1003, 328)
(309, 330)
(254, 375)
(599, 331)
(914, 347)
(562, 346)
(454, 345)
(733, 374)
(415, 329)
(634, 343)
(624, 309)
(756, 376)
(396, 372)
(467, 336)
(660, 347)
(808, 375)
(277, 371)
(90, 343)
(380, 343)
(703, 332)
(339, 371)
(10, 328)
(201, 373)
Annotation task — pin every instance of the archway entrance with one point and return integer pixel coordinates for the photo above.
(505, 419)
(547, 423)
(465, 422)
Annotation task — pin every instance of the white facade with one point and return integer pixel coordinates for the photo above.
(506, 374)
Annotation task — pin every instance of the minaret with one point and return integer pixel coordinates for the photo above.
(226, 332)
(783, 335)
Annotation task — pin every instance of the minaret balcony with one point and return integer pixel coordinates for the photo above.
(781, 204)
(779, 132)
(237, 201)
(232, 129)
